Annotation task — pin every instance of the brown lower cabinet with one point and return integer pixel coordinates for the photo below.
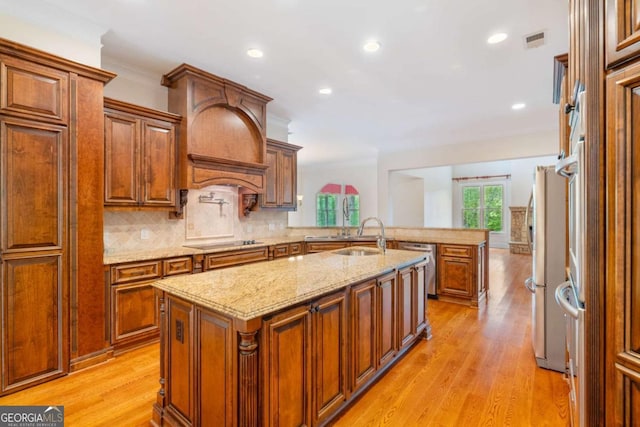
(306, 350)
(134, 302)
(297, 367)
(462, 273)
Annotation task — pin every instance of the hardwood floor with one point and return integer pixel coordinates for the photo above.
(478, 370)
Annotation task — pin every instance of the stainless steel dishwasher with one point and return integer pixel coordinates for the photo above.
(430, 251)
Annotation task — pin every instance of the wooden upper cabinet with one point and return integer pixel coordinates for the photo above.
(33, 90)
(140, 156)
(281, 177)
(622, 32)
(122, 162)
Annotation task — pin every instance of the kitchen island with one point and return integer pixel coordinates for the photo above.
(290, 342)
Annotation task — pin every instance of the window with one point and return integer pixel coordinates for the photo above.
(337, 208)
(326, 209)
(352, 210)
(482, 206)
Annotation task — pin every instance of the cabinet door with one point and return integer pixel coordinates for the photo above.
(456, 276)
(134, 310)
(329, 355)
(288, 369)
(34, 91)
(406, 309)
(270, 196)
(363, 333)
(122, 162)
(623, 250)
(288, 179)
(33, 185)
(215, 368)
(386, 319)
(159, 164)
(421, 297)
(622, 30)
(34, 339)
(179, 346)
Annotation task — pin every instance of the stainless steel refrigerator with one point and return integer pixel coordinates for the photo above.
(548, 245)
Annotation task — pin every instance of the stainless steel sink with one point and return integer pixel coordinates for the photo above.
(357, 252)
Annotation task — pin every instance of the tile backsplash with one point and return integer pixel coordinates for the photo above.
(130, 231)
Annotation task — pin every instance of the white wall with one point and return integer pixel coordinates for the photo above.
(360, 174)
(45, 27)
(407, 201)
(136, 86)
(438, 197)
(515, 147)
(435, 196)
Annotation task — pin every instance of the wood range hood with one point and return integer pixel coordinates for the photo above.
(223, 130)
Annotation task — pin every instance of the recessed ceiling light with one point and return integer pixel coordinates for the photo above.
(325, 91)
(497, 38)
(255, 53)
(518, 106)
(371, 46)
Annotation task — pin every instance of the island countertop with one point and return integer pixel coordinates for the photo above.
(250, 291)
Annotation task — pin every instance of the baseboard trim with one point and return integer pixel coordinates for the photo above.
(91, 359)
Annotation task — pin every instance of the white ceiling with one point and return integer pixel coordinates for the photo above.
(434, 81)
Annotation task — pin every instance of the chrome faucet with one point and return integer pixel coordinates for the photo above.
(382, 241)
(345, 217)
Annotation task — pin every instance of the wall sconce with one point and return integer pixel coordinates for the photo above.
(299, 197)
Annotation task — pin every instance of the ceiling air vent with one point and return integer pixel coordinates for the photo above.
(534, 40)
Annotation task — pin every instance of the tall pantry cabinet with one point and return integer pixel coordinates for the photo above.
(604, 54)
(51, 186)
(622, 57)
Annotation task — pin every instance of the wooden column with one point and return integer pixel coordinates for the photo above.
(248, 411)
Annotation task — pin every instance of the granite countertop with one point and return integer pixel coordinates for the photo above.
(446, 236)
(250, 291)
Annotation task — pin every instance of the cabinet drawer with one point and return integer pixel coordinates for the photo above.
(135, 272)
(33, 90)
(175, 266)
(325, 246)
(295, 248)
(227, 259)
(280, 251)
(458, 251)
